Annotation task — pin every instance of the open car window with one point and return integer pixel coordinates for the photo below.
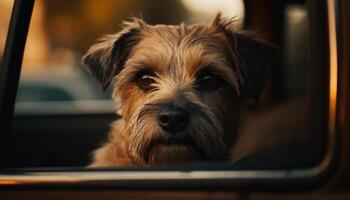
(63, 114)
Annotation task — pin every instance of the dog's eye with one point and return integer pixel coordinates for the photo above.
(208, 80)
(145, 80)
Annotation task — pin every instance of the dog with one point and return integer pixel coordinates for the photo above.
(180, 89)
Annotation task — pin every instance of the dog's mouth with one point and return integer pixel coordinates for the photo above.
(172, 151)
(172, 144)
(173, 141)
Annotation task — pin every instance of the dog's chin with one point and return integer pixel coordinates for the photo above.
(169, 153)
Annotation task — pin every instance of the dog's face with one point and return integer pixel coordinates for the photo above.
(180, 88)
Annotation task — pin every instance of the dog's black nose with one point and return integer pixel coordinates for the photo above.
(173, 119)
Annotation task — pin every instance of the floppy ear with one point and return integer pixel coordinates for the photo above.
(105, 59)
(253, 58)
(257, 59)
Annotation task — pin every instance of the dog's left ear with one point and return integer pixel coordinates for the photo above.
(105, 59)
(253, 58)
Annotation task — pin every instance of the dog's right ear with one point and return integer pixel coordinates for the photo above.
(254, 58)
(105, 59)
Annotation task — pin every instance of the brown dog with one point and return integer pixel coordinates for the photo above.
(180, 90)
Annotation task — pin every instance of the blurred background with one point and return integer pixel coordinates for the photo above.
(59, 105)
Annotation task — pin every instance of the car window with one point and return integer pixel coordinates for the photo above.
(63, 107)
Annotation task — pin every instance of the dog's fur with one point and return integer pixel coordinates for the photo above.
(176, 56)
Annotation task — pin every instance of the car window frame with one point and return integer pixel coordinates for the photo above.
(171, 178)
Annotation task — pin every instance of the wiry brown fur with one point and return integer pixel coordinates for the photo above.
(176, 54)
